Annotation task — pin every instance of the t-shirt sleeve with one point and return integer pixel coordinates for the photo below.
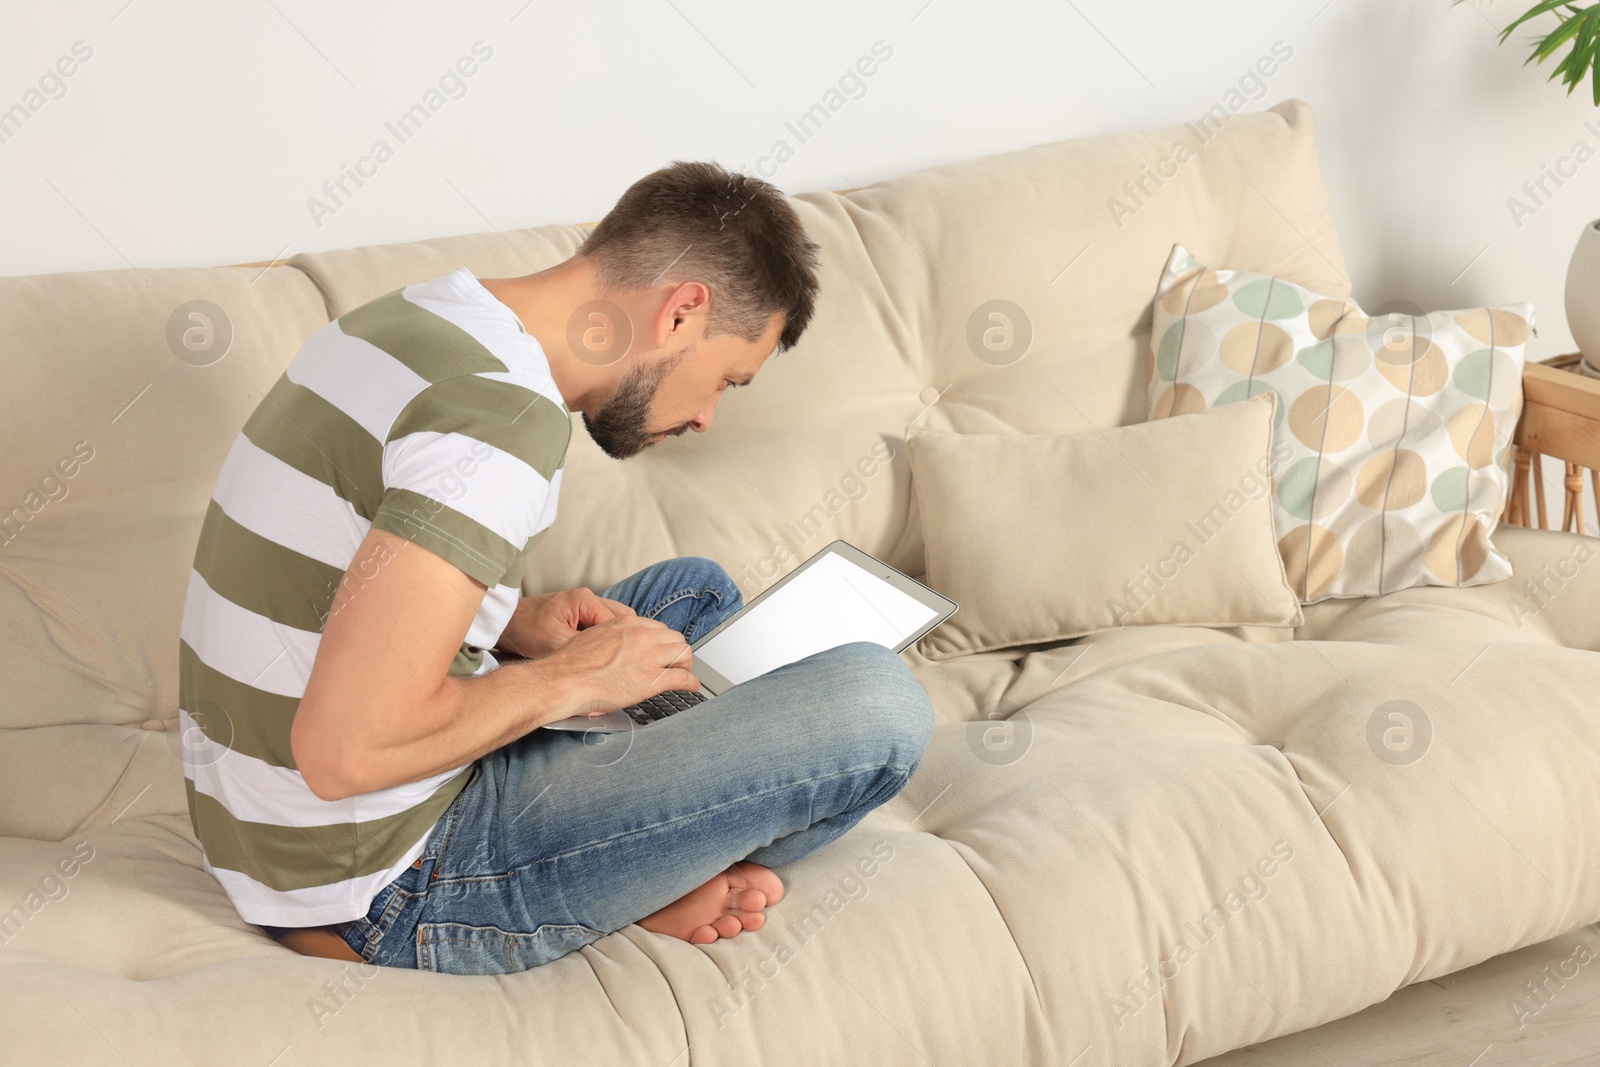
(468, 469)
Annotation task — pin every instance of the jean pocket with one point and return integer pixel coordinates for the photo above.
(457, 948)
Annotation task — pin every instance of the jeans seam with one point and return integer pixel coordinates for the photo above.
(452, 818)
(429, 932)
(475, 879)
(376, 932)
(429, 940)
(679, 595)
(905, 772)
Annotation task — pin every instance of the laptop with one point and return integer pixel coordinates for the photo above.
(838, 596)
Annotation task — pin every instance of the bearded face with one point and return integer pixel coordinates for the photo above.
(620, 428)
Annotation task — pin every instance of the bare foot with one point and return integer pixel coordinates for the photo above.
(729, 904)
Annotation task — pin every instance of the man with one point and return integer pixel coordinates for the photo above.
(367, 778)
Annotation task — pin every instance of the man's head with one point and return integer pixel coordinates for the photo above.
(701, 273)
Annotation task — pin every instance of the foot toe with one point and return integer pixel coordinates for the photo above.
(728, 925)
(754, 876)
(703, 935)
(747, 900)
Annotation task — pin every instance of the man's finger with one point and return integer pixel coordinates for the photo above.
(591, 609)
(618, 608)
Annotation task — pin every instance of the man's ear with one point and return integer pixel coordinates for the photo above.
(684, 307)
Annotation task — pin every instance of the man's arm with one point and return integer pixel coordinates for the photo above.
(381, 709)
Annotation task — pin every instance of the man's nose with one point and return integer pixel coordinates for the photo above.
(702, 422)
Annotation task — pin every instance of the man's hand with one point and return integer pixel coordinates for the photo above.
(617, 664)
(542, 624)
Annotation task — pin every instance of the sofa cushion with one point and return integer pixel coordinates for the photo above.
(136, 383)
(1041, 538)
(1157, 844)
(1399, 426)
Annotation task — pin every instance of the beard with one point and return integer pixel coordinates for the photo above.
(619, 427)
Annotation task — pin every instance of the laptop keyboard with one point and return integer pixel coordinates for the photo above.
(663, 704)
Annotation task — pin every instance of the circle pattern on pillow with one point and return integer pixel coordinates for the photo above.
(1399, 424)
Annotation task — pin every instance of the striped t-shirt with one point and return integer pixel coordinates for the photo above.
(430, 413)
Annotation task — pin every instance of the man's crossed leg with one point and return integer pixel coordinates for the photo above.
(562, 837)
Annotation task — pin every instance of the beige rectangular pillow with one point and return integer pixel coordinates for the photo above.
(1049, 537)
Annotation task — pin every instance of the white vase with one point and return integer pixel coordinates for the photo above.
(1583, 297)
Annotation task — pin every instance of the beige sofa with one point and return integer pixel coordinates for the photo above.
(1181, 843)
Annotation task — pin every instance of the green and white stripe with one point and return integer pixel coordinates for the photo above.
(429, 413)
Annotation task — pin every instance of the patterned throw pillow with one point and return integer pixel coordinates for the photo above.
(1400, 424)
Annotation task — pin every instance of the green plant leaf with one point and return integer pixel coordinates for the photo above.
(1579, 27)
(1532, 13)
(1568, 29)
(1585, 52)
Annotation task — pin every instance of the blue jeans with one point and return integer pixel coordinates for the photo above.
(560, 837)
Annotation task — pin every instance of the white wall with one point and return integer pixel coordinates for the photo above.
(197, 131)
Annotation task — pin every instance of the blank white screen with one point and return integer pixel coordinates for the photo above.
(834, 602)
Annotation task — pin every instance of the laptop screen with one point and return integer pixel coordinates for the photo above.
(832, 602)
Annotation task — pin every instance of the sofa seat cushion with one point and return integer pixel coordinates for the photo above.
(1181, 841)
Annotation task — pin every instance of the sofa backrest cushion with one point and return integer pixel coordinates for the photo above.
(123, 391)
(1071, 237)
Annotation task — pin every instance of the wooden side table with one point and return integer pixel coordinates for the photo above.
(1560, 418)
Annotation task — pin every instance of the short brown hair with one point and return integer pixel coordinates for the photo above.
(703, 222)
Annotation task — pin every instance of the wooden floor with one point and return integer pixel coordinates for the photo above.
(1466, 1019)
